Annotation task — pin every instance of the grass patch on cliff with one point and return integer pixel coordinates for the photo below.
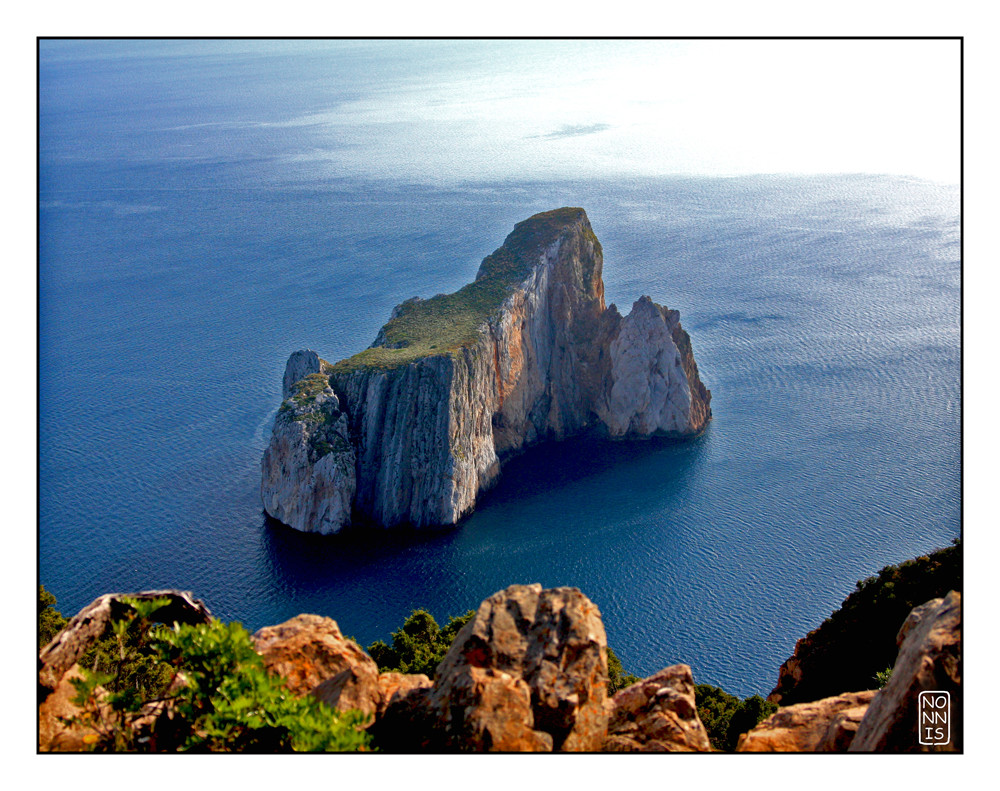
(449, 322)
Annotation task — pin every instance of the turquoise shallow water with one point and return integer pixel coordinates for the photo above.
(186, 250)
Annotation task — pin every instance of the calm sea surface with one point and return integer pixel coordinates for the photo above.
(192, 237)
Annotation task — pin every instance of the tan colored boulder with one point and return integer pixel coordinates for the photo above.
(393, 686)
(807, 727)
(657, 714)
(406, 723)
(916, 616)
(842, 729)
(529, 672)
(53, 734)
(929, 660)
(312, 656)
(488, 710)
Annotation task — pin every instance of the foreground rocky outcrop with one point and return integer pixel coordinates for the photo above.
(54, 733)
(930, 660)
(528, 673)
(858, 639)
(658, 714)
(886, 720)
(58, 661)
(94, 622)
(312, 656)
(821, 726)
(413, 429)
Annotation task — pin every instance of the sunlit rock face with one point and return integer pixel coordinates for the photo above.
(526, 353)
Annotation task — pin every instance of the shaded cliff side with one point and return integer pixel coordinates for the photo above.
(452, 384)
(857, 641)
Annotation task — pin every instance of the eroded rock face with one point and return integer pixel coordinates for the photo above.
(528, 673)
(820, 726)
(300, 365)
(313, 657)
(550, 361)
(930, 659)
(657, 714)
(422, 436)
(308, 478)
(648, 392)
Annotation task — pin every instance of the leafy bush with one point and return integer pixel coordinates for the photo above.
(419, 645)
(200, 688)
(618, 679)
(50, 620)
(725, 716)
(859, 640)
(882, 677)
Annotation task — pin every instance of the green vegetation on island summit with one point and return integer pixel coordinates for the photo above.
(447, 323)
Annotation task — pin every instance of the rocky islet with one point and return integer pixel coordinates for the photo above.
(414, 428)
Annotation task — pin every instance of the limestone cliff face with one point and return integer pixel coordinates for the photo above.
(452, 384)
(308, 476)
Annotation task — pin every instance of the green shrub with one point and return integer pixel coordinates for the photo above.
(882, 677)
(618, 679)
(200, 688)
(725, 716)
(50, 620)
(419, 645)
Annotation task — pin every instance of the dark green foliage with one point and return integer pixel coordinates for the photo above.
(859, 640)
(210, 691)
(725, 716)
(50, 620)
(882, 677)
(750, 711)
(132, 669)
(419, 645)
(617, 677)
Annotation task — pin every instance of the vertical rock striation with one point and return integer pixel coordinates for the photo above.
(453, 384)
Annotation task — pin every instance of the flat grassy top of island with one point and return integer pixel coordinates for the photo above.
(448, 322)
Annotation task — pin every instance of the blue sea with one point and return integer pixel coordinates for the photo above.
(205, 211)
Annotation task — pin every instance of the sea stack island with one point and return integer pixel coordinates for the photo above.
(412, 429)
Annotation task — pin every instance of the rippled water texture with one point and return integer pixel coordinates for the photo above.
(824, 315)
